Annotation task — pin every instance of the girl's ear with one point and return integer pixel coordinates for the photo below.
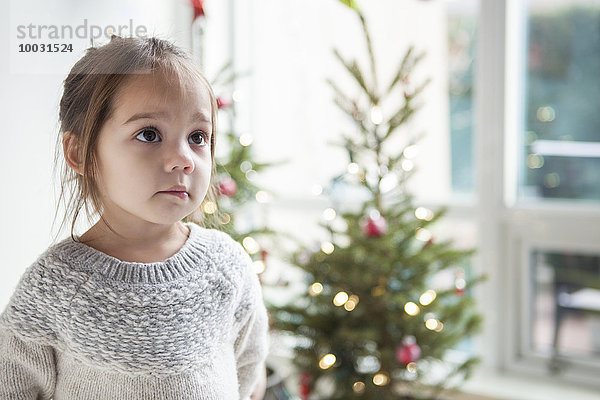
(71, 150)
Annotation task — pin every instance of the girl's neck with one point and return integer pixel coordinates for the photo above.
(137, 245)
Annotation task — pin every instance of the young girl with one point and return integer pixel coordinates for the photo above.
(142, 305)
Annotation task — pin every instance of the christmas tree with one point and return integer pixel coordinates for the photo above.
(378, 317)
(236, 170)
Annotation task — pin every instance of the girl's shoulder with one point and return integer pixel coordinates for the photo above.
(219, 243)
(227, 256)
(40, 300)
(51, 269)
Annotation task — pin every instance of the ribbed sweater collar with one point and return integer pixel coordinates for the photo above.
(192, 255)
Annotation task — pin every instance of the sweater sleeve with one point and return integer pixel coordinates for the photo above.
(27, 369)
(251, 341)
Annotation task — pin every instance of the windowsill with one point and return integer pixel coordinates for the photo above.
(506, 386)
(485, 384)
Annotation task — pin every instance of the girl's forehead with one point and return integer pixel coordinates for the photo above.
(165, 84)
(159, 89)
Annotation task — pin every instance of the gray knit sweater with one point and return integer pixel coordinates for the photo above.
(84, 325)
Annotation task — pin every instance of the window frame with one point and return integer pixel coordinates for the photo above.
(510, 229)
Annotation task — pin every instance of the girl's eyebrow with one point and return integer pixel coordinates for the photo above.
(147, 115)
(165, 115)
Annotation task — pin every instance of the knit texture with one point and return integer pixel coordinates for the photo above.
(83, 324)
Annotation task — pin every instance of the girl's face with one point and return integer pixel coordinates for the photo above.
(154, 156)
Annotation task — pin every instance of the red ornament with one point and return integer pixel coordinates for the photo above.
(222, 103)
(198, 8)
(409, 351)
(227, 187)
(375, 226)
(305, 384)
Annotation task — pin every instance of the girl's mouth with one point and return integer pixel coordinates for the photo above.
(181, 195)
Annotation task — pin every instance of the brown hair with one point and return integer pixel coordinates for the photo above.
(87, 103)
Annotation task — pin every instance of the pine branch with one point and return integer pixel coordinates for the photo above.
(225, 68)
(406, 65)
(399, 118)
(351, 146)
(339, 92)
(348, 106)
(351, 112)
(342, 100)
(401, 74)
(393, 161)
(419, 88)
(223, 80)
(365, 28)
(357, 74)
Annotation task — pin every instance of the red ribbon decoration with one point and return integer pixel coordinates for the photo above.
(198, 8)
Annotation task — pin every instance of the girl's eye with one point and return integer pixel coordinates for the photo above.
(148, 135)
(198, 138)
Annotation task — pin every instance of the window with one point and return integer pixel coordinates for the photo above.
(565, 307)
(545, 232)
(562, 91)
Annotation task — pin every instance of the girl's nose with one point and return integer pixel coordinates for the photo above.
(179, 157)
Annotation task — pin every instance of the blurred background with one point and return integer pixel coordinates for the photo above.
(511, 145)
